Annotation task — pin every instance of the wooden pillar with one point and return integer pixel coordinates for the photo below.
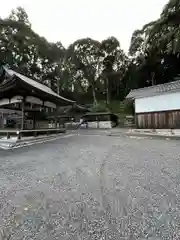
(34, 121)
(56, 117)
(22, 115)
(56, 123)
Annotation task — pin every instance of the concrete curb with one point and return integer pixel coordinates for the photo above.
(153, 136)
(6, 145)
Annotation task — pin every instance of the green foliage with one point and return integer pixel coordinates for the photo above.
(25, 50)
(155, 49)
(94, 72)
(128, 107)
(100, 107)
(122, 108)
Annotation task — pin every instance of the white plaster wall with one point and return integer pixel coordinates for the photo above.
(92, 125)
(164, 102)
(105, 124)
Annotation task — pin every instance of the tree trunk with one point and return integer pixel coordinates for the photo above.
(94, 95)
(58, 88)
(153, 78)
(107, 92)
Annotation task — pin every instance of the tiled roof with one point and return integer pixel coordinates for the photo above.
(36, 85)
(154, 90)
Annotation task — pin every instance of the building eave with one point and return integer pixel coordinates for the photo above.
(156, 90)
(34, 85)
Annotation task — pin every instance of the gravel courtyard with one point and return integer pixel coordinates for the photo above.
(85, 187)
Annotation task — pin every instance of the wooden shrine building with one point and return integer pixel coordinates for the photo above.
(31, 98)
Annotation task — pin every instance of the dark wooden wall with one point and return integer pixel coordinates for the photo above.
(155, 120)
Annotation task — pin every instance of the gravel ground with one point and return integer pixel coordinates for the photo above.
(91, 187)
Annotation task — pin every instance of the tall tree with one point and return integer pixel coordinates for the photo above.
(165, 36)
(166, 30)
(25, 50)
(85, 56)
(114, 66)
(20, 15)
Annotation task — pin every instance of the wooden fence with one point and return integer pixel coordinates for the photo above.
(159, 120)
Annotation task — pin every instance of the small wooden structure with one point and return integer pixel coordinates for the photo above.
(101, 120)
(157, 107)
(68, 114)
(31, 98)
(61, 119)
(8, 116)
(72, 111)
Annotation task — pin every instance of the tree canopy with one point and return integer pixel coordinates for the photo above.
(89, 71)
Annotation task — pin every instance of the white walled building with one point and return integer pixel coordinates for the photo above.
(157, 106)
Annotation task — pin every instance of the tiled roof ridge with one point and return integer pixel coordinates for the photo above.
(155, 90)
(155, 86)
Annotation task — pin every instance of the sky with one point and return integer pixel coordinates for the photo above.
(69, 20)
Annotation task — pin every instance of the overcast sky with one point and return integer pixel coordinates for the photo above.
(69, 20)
